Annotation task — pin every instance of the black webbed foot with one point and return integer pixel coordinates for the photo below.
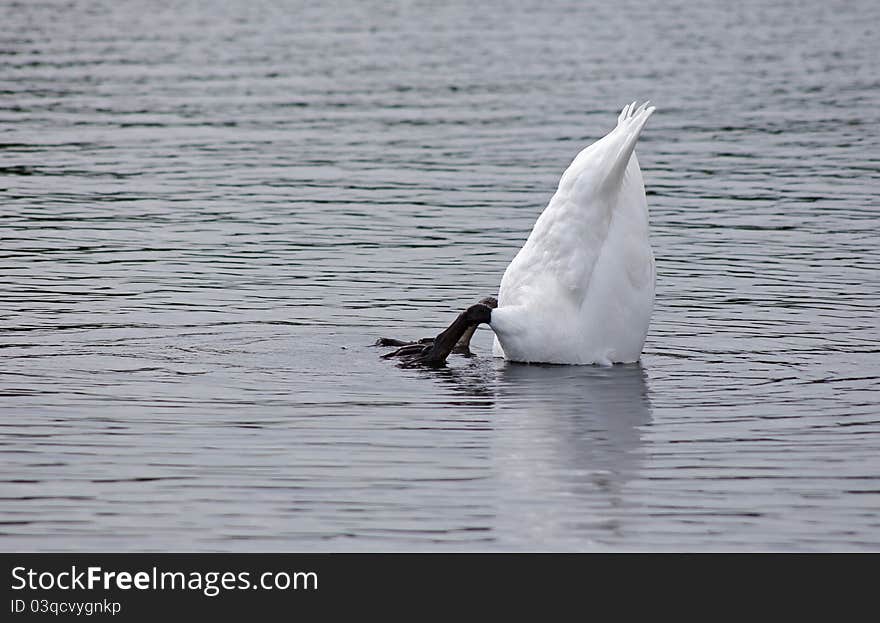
(433, 352)
(390, 341)
(428, 357)
(408, 349)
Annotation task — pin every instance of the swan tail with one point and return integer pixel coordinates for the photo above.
(630, 124)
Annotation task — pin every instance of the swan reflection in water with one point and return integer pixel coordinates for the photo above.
(568, 439)
(565, 442)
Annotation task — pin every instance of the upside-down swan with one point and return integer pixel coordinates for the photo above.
(581, 289)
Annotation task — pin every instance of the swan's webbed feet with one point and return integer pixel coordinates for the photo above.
(408, 349)
(390, 341)
(405, 348)
(420, 355)
(456, 338)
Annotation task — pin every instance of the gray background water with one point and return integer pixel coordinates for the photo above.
(210, 210)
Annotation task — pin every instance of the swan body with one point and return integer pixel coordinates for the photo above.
(581, 289)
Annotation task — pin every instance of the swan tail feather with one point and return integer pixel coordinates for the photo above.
(630, 124)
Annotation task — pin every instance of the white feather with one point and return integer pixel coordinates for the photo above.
(581, 289)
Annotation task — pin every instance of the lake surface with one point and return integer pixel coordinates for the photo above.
(210, 211)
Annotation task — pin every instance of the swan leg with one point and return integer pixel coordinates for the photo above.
(456, 337)
(406, 348)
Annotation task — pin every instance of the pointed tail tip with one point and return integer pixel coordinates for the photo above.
(631, 122)
(630, 111)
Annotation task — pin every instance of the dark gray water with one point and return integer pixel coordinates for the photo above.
(209, 210)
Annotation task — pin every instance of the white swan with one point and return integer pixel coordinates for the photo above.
(581, 290)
